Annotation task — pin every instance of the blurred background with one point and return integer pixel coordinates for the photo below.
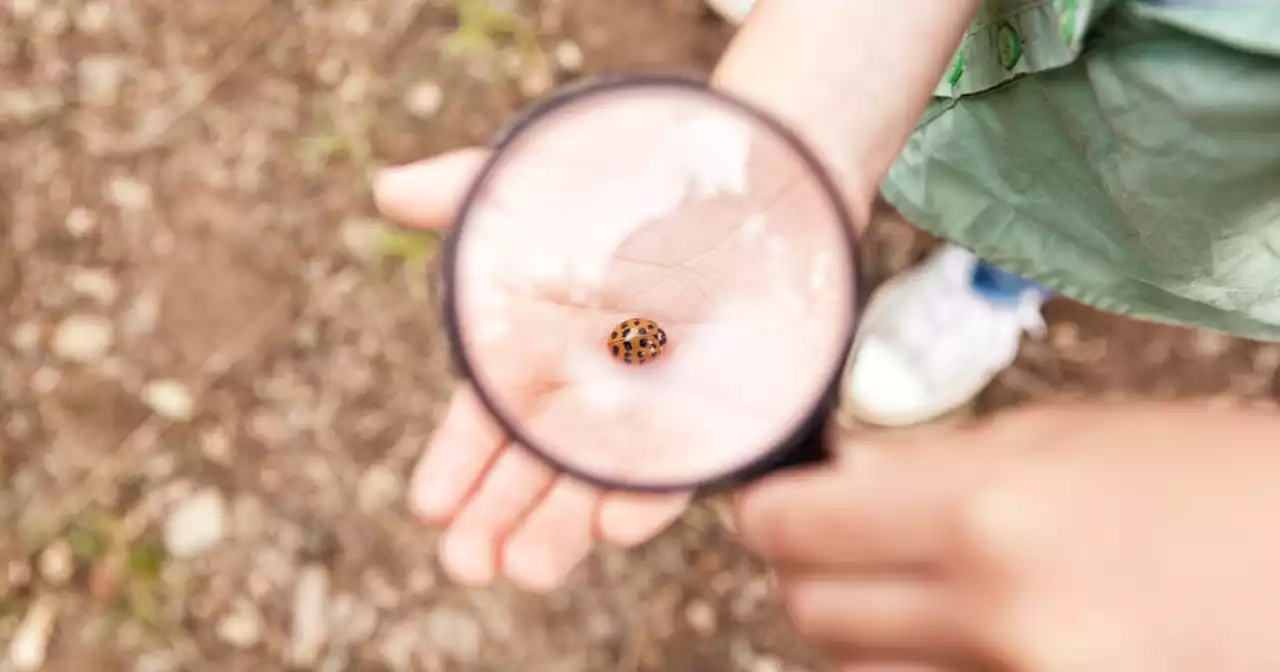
(217, 364)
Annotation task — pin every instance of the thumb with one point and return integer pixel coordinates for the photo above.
(426, 194)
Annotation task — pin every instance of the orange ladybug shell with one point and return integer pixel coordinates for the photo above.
(636, 341)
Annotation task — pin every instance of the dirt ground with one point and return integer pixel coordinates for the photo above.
(215, 373)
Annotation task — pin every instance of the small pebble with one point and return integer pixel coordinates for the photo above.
(25, 337)
(170, 399)
(17, 575)
(1211, 344)
(57, 563)
(454, 633)
(354, 88)
(310, 625)
(569, 56)
(29, 104)
(128, 193)
(45, 380)
(398, 646)
(329, 71)
(94, 16)
(1064, 336)
(381, 592)
(30, 643)
(100, 77)
(242, 627)
(701, 616)
(351, 619)
(97, 284)
(197, 524)
(142, 314)
(216, 445)
(424, 99)
(337, 660)
(420, 581)
(24, 9)
(362, 237)
(1266, 359)
(767, 664)
(82, 339)
(79, 222)
(379, 487)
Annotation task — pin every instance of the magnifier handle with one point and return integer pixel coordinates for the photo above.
(809, 451)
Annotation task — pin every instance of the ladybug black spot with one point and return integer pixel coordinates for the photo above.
(626, 333)
(642, 331)
(627, 345)
(644, 342)
(615, 351)
(640, 355)
(627, 359)
(613, 335)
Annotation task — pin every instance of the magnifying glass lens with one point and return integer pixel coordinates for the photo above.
(652, 285)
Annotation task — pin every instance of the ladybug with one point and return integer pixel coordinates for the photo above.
(636, 341)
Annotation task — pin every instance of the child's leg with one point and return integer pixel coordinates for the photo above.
(932, 338)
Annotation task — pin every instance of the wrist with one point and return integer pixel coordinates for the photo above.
(837, 73)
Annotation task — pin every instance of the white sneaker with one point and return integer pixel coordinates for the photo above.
(733, 11)
(929, 343)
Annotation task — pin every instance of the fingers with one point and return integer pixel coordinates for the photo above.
(878, 510)
(471, 547)
(554, 538)
(542, 548)
(627, 519)
(427, 194)
(458, 455)
(869, 617)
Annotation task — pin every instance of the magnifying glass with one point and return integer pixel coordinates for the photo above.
(653, 286)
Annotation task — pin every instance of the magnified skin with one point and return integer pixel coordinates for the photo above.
(701, 220)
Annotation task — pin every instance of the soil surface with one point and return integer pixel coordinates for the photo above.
(215, 375)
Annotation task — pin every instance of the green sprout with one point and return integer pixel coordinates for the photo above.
(482, 29)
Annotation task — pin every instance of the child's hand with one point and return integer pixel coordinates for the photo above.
(506, 513)
(687, 258)
(1126, 539)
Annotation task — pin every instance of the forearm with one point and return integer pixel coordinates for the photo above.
(851, 76)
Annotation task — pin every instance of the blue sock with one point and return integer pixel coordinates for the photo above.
(1001, 286)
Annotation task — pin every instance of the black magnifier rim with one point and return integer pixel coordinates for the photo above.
(603, 84)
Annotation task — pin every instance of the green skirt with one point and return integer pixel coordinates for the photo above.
(1124, 154)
